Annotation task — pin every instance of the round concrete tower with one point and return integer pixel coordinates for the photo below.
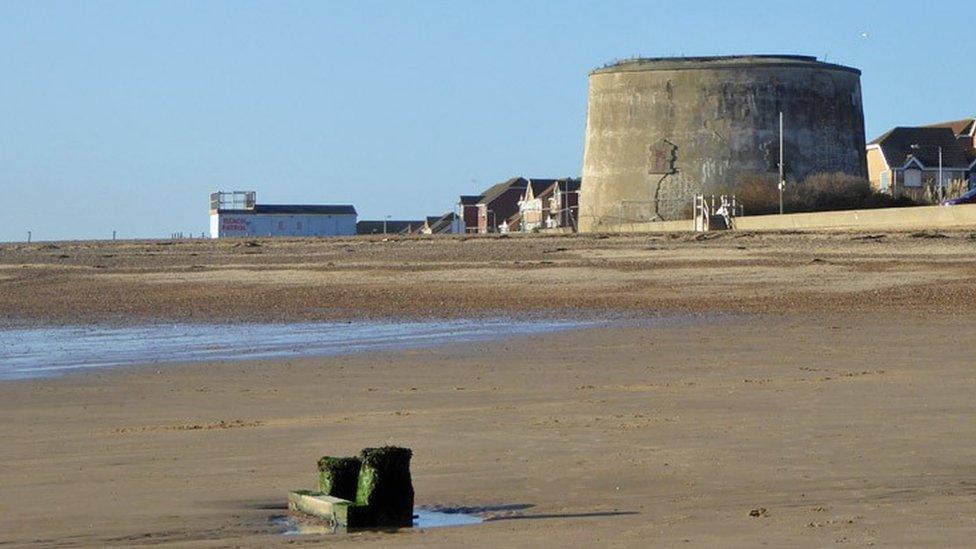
(659, 131)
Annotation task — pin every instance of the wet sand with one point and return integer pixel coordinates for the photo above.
(304, 280)
(837, 428)
(828, 389)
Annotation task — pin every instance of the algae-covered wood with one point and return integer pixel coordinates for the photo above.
(339, 476)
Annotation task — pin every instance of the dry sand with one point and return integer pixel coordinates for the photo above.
(836, 403)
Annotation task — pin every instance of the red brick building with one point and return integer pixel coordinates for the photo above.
(497, 205)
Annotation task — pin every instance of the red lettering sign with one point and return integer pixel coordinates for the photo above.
(237, 224)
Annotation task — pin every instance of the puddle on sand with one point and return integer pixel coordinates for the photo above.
(51, 351)
(426, 518)
(293, 525)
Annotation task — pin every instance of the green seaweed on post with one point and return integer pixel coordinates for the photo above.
(339, 476)
(385, 487)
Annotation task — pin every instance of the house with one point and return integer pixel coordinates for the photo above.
(534, 209)
(564, 204)
(498, 205)
(905, 161)
(390, 226)
(468, 213)
(448, 223)
(237, 214)
(965, 131)
(557, 205)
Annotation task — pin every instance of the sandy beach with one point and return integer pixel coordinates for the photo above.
(286, 280)
(794, 390)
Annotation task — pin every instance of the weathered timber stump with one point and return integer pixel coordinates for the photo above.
(385, 487)
(339, 476)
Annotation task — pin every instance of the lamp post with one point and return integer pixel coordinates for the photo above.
(782, 181)
(384, 223)
(941, 185)
(916, 147)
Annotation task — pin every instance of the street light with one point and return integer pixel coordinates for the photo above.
(782, 179)
(916, 147)
(384, 223)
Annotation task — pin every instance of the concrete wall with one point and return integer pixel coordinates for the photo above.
(923, 217)
(718, 119)
(259, 225)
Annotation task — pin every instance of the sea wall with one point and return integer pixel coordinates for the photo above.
(922, 217)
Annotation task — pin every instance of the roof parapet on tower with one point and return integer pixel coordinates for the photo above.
(716, 62)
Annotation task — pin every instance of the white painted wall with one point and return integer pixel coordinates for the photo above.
(257, 225)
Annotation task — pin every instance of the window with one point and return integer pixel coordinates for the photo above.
(885, 180)
(913, 178)
(281, 225)
(299, 225)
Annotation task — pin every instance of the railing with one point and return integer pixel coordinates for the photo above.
(232, 200)
(709, 212)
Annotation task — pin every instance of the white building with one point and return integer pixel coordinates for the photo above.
(237, 214)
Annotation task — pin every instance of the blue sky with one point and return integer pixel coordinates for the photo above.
(125, 115)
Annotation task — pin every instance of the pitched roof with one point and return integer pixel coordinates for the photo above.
(513, 220)
(958, 127)
(899, 144)
(540, 185)
(497, 190)
(564, 185)
(520, 183)
(570, 185)
(441, 223)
